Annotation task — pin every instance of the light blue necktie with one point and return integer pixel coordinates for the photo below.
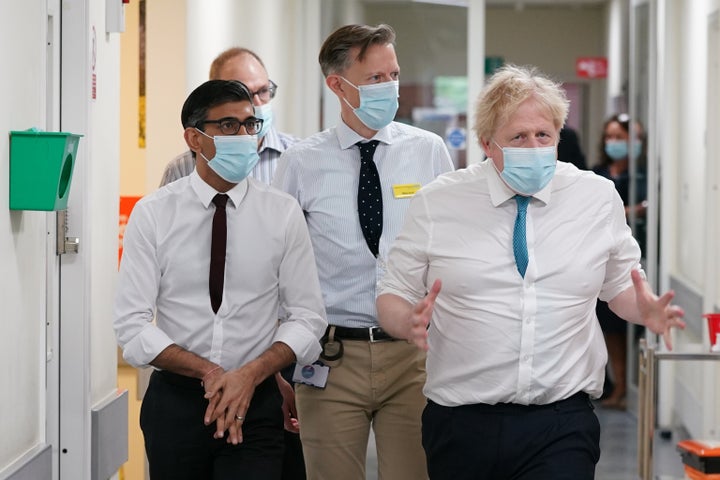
(519, 238)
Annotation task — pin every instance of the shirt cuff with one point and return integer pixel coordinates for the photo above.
(147, 345)
(301, 341)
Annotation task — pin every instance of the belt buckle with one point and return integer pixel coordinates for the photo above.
(372, 334)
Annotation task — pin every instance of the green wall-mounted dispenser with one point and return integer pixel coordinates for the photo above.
(41, 168)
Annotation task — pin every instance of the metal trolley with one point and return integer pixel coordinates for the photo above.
(647, 399)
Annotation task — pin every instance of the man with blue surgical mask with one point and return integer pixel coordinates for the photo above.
(495, 275)
(354, 182)
(245, 66)
(208, 262)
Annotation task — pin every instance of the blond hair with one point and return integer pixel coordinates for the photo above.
(509, 87)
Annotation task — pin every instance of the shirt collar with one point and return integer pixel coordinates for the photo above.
(206, 193)
(347, 137)
(501, 193)
(272, 141)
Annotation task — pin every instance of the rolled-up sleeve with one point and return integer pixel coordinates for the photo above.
(137, 335)
(624, 254)
(407, 263)
(304, 320)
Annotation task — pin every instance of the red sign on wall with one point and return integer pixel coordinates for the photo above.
(591, 67)
(126, 206)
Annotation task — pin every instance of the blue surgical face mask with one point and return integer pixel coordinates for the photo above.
(378, 103)
(618, 149)
(235, 156)
(528, 170)
(264, 113)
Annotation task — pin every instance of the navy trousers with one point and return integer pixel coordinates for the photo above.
(559, 441)
(180, 446)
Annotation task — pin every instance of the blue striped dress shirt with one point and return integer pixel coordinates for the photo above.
(322, 172)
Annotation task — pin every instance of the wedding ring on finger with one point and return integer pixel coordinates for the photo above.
(239, 418)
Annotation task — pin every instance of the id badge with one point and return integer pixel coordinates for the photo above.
(405, 190)
(315, 375)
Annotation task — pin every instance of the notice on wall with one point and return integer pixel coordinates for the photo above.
(591, 67)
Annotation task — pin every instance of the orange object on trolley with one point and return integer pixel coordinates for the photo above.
(701, 459)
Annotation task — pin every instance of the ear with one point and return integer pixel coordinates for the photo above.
(192, 138)
(335, 83)
(485, 143)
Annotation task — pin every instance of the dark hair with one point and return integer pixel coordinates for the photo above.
(622, 119)
(211, 94)
(334, 54)
(229, 54)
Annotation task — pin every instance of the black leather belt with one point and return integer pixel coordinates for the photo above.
(368, 334)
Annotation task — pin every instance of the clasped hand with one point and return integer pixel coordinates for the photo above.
(229, 395)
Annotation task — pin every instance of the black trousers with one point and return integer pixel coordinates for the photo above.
(559, 441)
(180, 446)
(294, 461)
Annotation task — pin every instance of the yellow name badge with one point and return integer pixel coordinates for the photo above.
(406, 190)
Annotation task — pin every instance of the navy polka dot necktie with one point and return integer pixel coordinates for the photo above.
(218, 245)
(369, 199)
(519, 237)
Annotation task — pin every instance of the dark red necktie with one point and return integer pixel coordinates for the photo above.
(217, 251)
(369, 198)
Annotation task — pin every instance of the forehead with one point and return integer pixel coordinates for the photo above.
(245, 68)
(614, 128)
(241, 110)
(529, 116)
(377, 57)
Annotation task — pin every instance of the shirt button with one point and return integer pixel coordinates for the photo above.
(526, 358)
(529, 320)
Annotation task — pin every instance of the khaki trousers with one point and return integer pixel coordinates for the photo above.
(373, 384)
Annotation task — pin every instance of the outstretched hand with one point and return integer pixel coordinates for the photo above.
(421, 315)
(657, 313)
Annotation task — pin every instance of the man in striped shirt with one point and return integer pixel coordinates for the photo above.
(373, 380)
(244, 65)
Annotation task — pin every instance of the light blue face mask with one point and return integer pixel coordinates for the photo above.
(378, 103)
(528, 170)
(235, 156)
(264, 113)
(618, 149)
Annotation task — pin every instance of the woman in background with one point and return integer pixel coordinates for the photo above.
(615, 151)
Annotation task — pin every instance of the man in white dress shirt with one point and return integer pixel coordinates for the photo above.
(373, 380)
(245, 66)
(515, 351)
(213, 408)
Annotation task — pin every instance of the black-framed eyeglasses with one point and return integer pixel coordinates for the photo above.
(266, 93)
(231, 125)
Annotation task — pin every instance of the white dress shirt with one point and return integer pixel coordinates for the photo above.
(322, 173)
(494, 336)
(165, 268)
(274, 144)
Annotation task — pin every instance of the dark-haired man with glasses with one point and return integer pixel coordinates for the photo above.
(245, 66)
(208, 261)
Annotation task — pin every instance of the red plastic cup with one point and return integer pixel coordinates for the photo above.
(713, 326)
